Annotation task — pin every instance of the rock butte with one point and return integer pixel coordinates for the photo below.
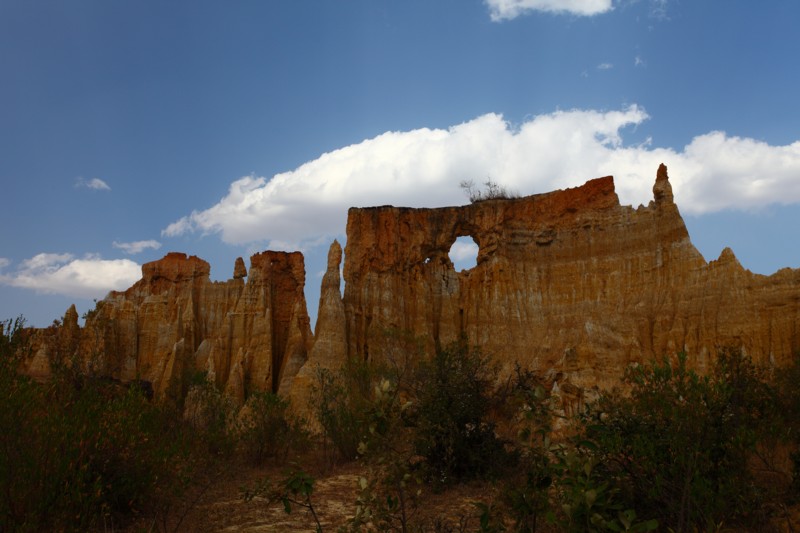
(569, 283)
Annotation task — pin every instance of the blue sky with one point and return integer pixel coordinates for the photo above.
(131, 129)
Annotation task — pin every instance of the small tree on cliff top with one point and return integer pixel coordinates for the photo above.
(492, 191)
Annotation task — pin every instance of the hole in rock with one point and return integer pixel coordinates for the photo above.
(464, 253)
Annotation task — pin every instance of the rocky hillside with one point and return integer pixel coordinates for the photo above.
(570, 283)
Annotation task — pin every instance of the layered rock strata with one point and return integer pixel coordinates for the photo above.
(330, 345)
(567, 282)
(245, 335)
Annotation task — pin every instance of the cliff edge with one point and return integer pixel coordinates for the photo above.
(569, 283)
(566, 282)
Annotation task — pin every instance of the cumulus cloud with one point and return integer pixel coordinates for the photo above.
(137, 246)
(4, 262)
(423, 167)
(463, 253)
(508, 9)
(95, 184)
(605, 66)
(90, 277)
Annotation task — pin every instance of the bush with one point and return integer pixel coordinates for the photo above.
(678, 446)
(589, 493)
(343, 402)
(788, 399)
(526, 492)
(77, 452)
(389, 494)
(211, 415)
(492, 191)
(452, 396)
(267, 431)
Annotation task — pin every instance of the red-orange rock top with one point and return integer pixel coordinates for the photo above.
(176, 266)
(270, 258)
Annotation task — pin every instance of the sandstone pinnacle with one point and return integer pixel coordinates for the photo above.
(239, 270)
(569, 283)
(662, 190)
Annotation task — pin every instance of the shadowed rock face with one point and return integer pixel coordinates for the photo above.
(330, 345)
(175, 322)
(569, 283)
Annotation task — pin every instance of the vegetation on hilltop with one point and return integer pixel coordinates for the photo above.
(491, 191)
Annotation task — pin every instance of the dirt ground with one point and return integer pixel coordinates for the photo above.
(223, 507)
(218, 504)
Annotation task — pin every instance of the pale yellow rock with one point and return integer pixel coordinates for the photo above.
(234, 389)
(175, 322)
(330, 347)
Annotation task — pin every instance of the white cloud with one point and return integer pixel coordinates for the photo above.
(639, 62)
(137, 246)
(605, 66)
(90, 277)
(4, 262)
(562, 149)
(95, 183)
(508, 9)
(463, 250)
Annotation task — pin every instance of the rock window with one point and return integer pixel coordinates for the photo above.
(464, 253)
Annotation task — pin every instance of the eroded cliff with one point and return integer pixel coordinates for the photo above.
(569, 283)
(245, 335)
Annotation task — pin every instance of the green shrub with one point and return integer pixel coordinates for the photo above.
(526, 490)
(77, 452)
(212, 416)
(342, 402)
(266, 430)
(389, 493)
(788, 390)
(589, 493)
(78, 460)
(452, 395)
(678, 446)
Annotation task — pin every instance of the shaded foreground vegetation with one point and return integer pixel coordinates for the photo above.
(669, 451)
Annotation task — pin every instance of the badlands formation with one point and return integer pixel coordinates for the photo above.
(569, 283)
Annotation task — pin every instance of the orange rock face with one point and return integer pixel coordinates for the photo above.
(568, 282)
(175, 322)
(330, 345)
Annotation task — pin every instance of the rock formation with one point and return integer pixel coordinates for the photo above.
(175, 322)
(330, 345)
(569, 283)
